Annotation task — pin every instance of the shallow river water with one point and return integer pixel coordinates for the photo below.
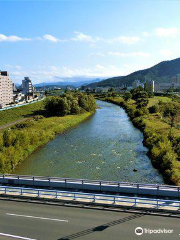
(107, 146)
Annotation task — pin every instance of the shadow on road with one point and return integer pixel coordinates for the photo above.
(101, 227)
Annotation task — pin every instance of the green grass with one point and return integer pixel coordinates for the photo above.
(11, 115)
(156, 99)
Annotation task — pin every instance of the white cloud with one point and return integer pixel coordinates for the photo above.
(79, 37)
(50, 38)
(12, 38)
(131, 54)
(167, 32)
(83, 37)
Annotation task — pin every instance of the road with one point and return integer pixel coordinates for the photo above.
(23, 220)
(12, 123)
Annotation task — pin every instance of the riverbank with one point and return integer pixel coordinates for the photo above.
(156, 139)
(22, 139)
(11, 115)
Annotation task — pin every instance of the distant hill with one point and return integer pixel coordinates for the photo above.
(76, 82)
(160, 73)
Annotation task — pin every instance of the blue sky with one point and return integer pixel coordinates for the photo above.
(54, 40)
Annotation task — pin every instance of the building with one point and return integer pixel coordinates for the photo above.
(27, 87)
(150, 86)
(6, 89)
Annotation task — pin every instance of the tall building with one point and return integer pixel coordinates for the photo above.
(6, 89)
(150, 86)
(27, 87)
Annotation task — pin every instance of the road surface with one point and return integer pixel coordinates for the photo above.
(22, 220)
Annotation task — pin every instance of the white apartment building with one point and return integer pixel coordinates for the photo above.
(6, 89)
(27, 87)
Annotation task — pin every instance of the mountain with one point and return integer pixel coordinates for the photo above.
(160, 73)
(76, 82)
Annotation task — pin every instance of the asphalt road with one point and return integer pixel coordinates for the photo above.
(22, 220)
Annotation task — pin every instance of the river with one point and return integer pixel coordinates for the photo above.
(107, 146)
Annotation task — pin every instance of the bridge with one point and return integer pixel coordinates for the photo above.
(45, 208)
(92, 185)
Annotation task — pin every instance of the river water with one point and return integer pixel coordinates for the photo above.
(107, 146)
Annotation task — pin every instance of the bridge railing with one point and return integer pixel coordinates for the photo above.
(99, 183)
(91, 198)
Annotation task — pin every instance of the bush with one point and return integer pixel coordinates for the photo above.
(159, 151)
(154, 109)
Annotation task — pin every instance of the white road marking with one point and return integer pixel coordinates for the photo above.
(42, 218)
(14, 236)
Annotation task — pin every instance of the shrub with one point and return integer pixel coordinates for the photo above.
(154, 109)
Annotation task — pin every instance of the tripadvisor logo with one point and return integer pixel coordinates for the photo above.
(138, 231)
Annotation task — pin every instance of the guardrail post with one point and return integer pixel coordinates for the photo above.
(5, 190)
(135, 202)
(157, 203)
(21, 191)
(118, 186)
(18, 179)
(3, 178)
(74, 196)
(94, 199)
(49, 182)
(38, 193)
(82, 184)
(137, 188)
(56, 194)
(33, 181)
(158, 190)
(100, 185)
(114, 202)
(65, 183)
(178, 191)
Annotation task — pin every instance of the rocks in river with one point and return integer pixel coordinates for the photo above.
(134, 170)
(93, 154)
(80, 161)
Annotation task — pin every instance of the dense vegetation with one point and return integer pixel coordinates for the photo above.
(162, 72)
(22, 139)
(70, 103)
(160, 122)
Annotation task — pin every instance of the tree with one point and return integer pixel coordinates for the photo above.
(140, 96)
(127, 96)
(171, 110)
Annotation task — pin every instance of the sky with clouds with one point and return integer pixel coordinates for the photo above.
(54, 40)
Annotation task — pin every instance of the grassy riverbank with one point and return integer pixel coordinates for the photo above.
(19, 142)
(162, 140)
(14, 114)
(55, 115)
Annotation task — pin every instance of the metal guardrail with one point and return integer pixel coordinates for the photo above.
(20, 105)
(99, 183)
(92, 198)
